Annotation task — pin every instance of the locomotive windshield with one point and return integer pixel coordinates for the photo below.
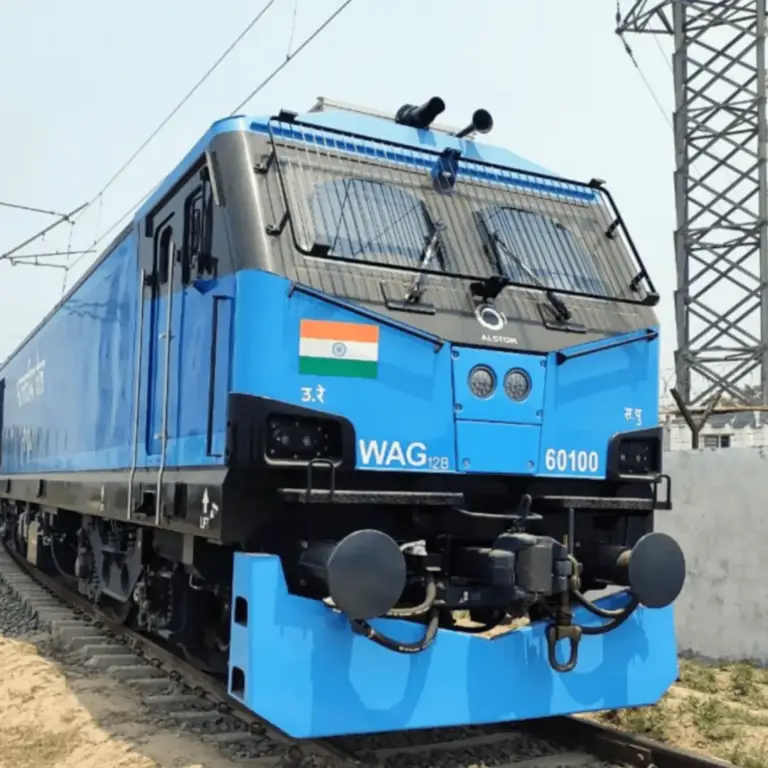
(356, 218)
(550, 251)
(384, 207)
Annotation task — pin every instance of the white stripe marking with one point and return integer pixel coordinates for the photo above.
(339, 350)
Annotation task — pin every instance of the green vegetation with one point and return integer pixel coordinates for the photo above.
(717, 710)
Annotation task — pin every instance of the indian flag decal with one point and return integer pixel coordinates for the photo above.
(328, 348)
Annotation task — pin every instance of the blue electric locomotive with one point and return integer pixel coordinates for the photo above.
(355, 412)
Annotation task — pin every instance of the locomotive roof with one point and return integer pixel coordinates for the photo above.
(369, 126)
(376, 128)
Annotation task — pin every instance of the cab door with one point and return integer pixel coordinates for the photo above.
(186, 317)
(159, 245)
(161, 308)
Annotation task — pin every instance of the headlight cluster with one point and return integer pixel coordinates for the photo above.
(482, 383)
(302, 439)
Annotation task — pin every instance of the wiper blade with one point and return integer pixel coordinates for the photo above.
(416, 290)
(561, 310)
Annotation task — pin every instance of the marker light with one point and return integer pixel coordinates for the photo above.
(517, 384)
(482, 382)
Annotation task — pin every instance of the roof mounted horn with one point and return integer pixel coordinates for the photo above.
(482, 122)
(422, 116)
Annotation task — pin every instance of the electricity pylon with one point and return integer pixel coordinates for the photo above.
(721, 190)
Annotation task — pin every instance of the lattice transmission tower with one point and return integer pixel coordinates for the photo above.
(721, 191)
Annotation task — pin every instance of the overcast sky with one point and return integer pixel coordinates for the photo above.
(83, 83)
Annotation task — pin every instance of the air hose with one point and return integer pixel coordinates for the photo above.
(360, 627)
(52, 545)
(603, 613)
(430, 594)
(617, 617)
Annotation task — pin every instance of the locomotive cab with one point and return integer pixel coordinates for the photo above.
(447, 375)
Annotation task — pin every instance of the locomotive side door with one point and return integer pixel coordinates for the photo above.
(160, 299)
(186, 318)
(160, 238)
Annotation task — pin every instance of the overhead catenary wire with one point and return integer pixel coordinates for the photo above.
(637, 66)
(72, 216)
(183, 101)
(51, 254)
(32, 209)
(24, 261)
(289, 58)
(100, 194)
(65, 217)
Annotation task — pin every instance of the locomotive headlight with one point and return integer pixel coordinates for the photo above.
(482, 382)
(292, 439)
(517, 384)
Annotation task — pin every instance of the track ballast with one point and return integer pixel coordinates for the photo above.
(180, 695)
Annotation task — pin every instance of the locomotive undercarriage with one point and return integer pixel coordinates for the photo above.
(470, 567)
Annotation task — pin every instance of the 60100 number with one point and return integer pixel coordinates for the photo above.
(573, 461)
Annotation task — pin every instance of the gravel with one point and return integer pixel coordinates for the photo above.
(462, 747)
(14, 620)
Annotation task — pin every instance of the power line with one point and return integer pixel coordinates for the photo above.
(663, 54)
(183, 101)
(255, 20)
(62, 218)
(289, 58)
(631, 55)
(32, 209)
(50, 254)
(21, 261)
(147, 141)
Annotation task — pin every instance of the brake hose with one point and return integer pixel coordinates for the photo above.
(617, 616)
(603, 613)
(616, 620)
(430, 594)
(360, 627)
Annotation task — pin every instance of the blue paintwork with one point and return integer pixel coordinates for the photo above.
(81, 418)
(574, 408)
(309, 675)
(413, 381)
(80, 414)
(591, 398)
(518, 178)
(88, 348)
(488, 447)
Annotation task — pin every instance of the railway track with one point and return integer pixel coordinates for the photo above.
(179, 694)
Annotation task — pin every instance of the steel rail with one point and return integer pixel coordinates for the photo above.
(601, 741)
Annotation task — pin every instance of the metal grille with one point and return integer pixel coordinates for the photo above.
(355, 199)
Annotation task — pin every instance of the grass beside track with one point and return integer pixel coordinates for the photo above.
(717, 710)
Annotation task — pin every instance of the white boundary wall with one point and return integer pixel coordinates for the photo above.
(720, 519)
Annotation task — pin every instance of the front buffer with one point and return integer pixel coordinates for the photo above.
(297, 663)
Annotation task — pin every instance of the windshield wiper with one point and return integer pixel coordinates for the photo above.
(561, 310)
(416, 291)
